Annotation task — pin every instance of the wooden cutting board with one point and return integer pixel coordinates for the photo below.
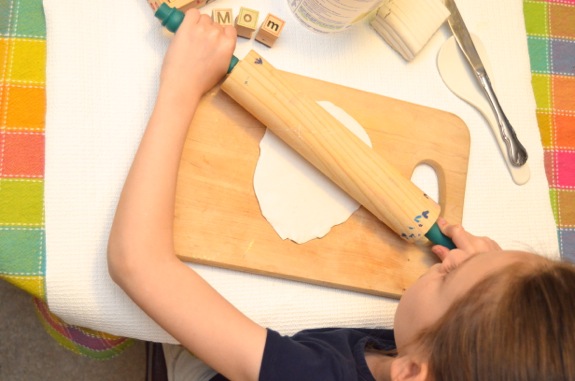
(218, 220)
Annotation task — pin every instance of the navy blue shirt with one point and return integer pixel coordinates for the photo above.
(321, 354)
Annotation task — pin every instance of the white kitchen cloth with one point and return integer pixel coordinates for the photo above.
(103, 63)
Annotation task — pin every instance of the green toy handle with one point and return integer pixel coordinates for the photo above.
(171, 18)
(437, 237)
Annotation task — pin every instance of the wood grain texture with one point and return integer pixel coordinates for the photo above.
(218, 220)
(323, 141)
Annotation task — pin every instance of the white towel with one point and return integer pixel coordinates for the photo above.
(103, 63)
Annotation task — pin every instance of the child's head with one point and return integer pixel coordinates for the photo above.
(499, 316)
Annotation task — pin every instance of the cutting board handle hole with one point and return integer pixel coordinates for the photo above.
(425, 177)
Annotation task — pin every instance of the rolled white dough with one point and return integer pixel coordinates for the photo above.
(297, 199)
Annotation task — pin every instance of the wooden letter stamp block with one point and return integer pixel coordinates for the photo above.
(270, 30)
(223, 16)
(246, 22)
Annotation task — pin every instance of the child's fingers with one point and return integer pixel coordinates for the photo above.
(230, 31)
(192, 16)
(194, 12)
(452, 231)
(208, 21)
(456, 232)
(440, 251)
(460, 237)
(463, 240)
(466, 241)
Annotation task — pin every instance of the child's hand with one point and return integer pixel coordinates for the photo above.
(464, 241)
(198, 56)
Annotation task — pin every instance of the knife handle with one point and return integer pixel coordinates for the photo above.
(516, 151)
(172, 18)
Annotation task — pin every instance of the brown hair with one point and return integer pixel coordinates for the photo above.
(517, 324)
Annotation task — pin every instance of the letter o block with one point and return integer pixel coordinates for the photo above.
(246, 22)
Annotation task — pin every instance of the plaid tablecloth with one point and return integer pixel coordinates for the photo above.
(22, 115)
(551, 36)
(550, 26)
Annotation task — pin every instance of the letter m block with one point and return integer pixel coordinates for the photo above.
(223, 16)
(270, 30)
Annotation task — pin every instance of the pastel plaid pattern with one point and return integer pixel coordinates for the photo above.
(22, 110)
(22, 121)
(550, 28)
(83, 341)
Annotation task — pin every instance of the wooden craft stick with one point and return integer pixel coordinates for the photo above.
(328, 145)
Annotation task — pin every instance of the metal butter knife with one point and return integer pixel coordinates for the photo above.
(515, 150)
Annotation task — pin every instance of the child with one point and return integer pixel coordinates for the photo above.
(480, 314)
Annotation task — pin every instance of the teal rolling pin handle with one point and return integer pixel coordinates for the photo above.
(437, 237)
(171, 18)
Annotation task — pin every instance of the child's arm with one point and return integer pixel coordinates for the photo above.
(141, 256)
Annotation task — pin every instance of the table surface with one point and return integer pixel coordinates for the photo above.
(550, 35)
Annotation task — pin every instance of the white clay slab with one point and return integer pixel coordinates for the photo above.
(297, 199)
(459, 78)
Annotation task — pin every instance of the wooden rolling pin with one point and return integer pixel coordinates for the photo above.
(328, 145)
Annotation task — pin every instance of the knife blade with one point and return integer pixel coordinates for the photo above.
(515, 150)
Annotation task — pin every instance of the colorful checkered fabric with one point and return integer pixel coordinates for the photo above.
(83, 341)
(23, 106)
(22, 121)
(550, 28)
